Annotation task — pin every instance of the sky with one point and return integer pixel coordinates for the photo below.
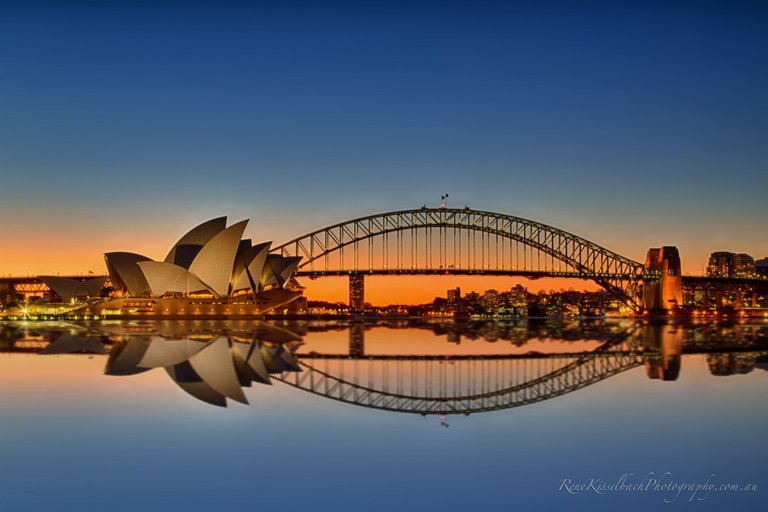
(634, 125)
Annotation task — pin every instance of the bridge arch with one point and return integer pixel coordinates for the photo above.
(445, 240)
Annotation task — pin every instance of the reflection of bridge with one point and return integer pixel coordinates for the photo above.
(453, 385)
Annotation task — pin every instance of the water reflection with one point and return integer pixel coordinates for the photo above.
(211, 371)
(69, 344)
(461, 368)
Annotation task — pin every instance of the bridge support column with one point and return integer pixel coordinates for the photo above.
(356, 293)
(666, 293)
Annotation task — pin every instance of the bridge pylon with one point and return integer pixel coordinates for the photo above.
(356, 293)
(665, 293)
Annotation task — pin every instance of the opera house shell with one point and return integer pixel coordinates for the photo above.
(211, 271)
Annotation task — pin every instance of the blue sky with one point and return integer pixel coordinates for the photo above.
(632, 124)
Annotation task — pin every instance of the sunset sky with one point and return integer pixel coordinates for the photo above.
(634, 125)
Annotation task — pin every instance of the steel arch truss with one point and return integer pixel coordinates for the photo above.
(582, 258)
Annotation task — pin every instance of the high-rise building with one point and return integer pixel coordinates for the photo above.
(720, 264)
(743, 265)
(454, 303)
(490, 301)
(729, 264)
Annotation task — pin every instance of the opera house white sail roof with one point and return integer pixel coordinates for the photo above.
(211, 259)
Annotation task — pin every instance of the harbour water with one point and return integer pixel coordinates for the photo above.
(387, 415)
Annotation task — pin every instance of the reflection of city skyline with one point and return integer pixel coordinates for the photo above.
(521, 330)
(214, 361)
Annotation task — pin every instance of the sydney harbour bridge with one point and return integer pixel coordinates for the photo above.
(450, 241)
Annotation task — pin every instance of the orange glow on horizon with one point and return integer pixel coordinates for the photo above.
(78, 250)
(385, 290)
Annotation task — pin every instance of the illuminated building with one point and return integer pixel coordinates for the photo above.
(743, 265)
(519, 296)
(490, 301)
(454, 300)
(729, 264)
(210, 271)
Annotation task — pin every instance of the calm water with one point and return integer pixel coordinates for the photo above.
(399, 415)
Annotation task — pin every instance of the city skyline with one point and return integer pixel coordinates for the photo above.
(633, 126)
(389, 290)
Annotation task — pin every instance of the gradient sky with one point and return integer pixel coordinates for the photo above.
(633, 125)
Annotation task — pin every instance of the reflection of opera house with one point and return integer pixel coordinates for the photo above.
(210, 271)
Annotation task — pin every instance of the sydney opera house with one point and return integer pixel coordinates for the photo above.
(211, 271)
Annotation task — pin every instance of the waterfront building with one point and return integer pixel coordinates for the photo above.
(519, 296)
(454, 304)
(729, 264)
(490, 302)
(211, 271)
(743, 265)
